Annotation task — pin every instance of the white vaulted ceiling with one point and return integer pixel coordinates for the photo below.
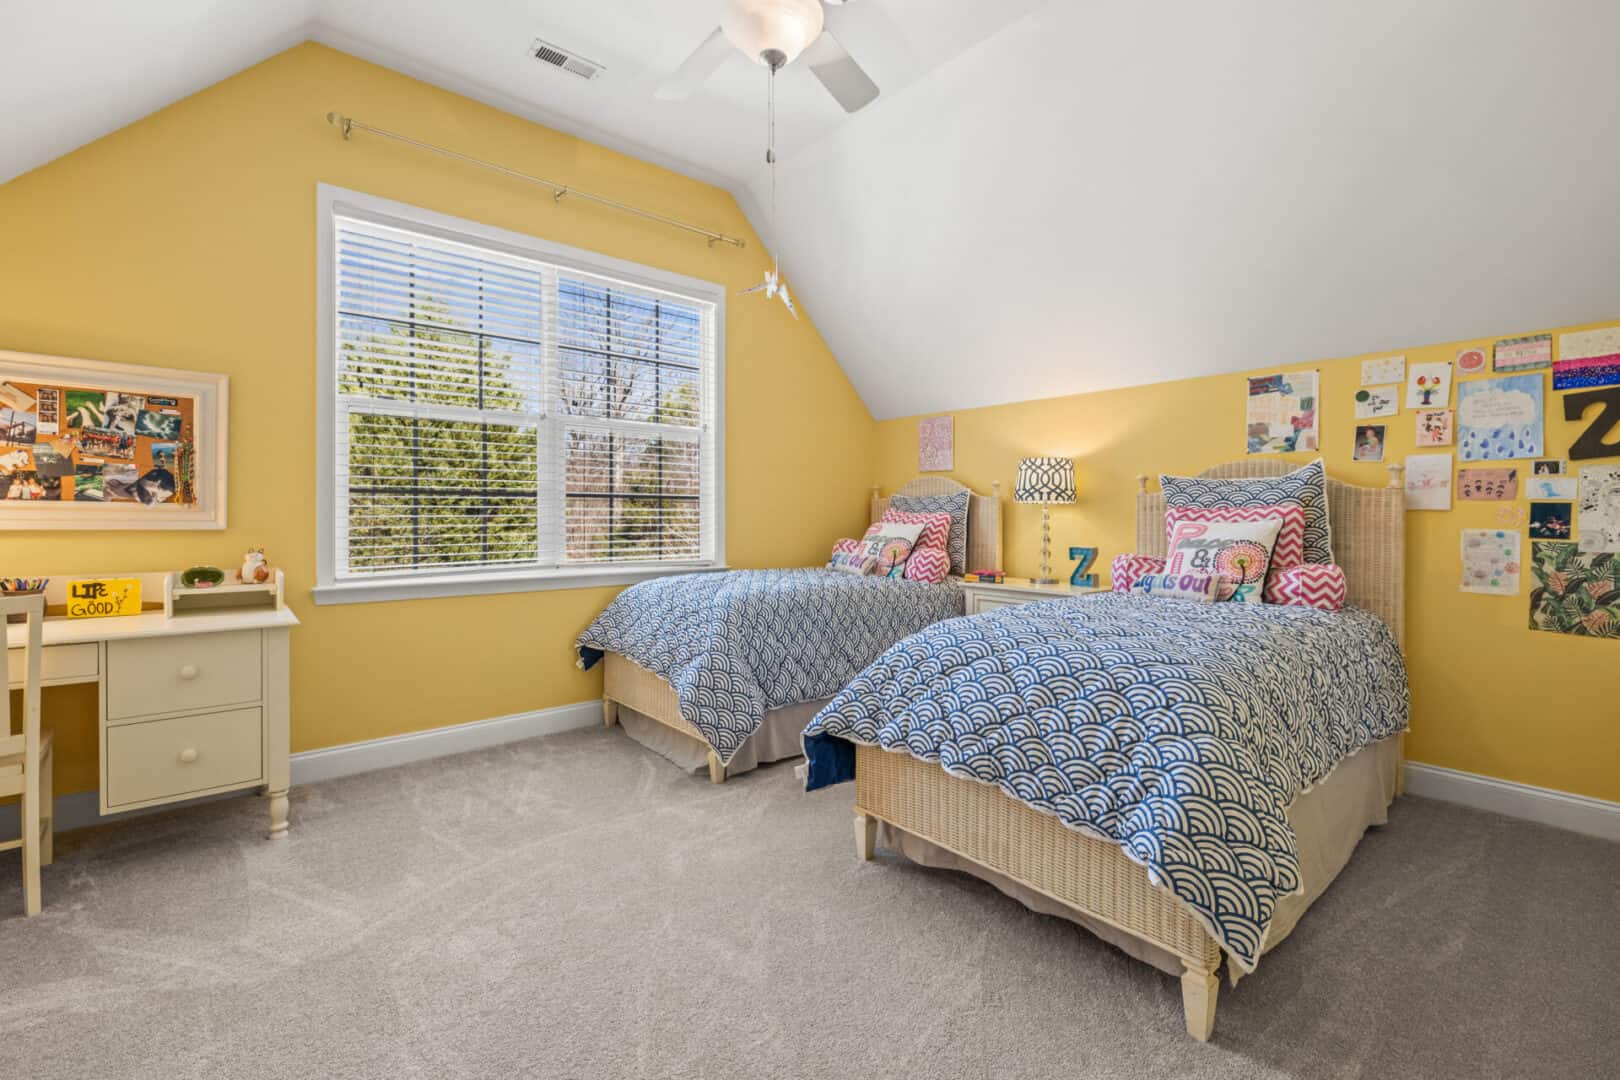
(1048, 197)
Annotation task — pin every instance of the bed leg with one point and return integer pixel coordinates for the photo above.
(865, 837)
(1198, 992)
(610, 712)
(717, 771)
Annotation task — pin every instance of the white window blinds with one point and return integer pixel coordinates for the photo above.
(497, 411)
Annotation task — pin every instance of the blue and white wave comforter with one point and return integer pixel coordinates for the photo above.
(736, 644)
(1180, 731)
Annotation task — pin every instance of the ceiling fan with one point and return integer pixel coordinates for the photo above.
(775, 33)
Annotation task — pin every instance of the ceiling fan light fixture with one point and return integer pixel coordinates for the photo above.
(771, 32)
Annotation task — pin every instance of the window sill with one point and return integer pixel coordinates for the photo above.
(425, 588)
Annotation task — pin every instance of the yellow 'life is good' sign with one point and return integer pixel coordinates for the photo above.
(91, 598)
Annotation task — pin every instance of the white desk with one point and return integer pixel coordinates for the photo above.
(192, 705)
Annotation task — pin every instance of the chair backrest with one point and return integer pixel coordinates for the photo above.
(25, 742)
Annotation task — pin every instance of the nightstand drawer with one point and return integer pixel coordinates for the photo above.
(147, 676)
(57, 663)
(982, 603)
(169, 759)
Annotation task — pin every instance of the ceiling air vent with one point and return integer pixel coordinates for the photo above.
(563, 60)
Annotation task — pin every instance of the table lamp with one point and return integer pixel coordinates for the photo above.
(1045, 480)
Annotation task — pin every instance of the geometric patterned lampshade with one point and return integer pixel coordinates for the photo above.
(1045, 480)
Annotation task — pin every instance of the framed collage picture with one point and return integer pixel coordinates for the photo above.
(86, 444)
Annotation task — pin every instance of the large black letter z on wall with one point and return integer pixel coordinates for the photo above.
(1591, 443)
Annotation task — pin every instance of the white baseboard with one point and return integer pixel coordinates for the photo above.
(82, 808)
(1578, 813)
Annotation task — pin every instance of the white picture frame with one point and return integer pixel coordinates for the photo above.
(211, 392)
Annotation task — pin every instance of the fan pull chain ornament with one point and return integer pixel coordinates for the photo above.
(773, 286)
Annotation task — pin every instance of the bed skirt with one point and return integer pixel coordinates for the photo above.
(777, 738)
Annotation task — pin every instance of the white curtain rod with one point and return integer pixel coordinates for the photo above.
(349, 124)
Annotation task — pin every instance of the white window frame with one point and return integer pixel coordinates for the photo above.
(331, 202)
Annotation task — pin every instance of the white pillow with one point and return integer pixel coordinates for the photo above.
(1239, 551)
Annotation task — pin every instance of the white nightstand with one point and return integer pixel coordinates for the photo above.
(982, 596)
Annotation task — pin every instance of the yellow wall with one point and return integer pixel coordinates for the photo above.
(187, 240)
(1489, 695)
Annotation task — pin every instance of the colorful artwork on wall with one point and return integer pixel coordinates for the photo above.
(1434, 427)
(1428, 482)
(1588, 358)
(1551, 487)
(1490, 561)
(1523, 354)
(1574, 592)
(1281, 415)
(1470, 361)
(1428, 386)
(936, 447)
(1500, 419)
(1599, 519)
(1488, 485)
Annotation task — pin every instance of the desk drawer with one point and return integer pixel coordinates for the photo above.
(146, 676)
(57, 663)
(183, 755)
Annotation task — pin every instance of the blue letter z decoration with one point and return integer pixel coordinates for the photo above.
(1085, 556)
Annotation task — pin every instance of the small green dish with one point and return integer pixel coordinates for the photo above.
(202, 577)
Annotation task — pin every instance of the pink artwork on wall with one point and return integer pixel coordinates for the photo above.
(935, 445)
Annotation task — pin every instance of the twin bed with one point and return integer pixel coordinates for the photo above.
(726, 669)
(1183, 780)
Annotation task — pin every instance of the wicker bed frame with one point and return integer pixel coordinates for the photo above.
(627, 683)
(979, 823)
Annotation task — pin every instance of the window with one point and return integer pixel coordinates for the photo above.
(503, 414)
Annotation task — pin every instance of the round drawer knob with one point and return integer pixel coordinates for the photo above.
(188, 755)
(189, 671)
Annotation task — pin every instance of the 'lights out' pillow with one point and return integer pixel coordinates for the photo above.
(1199, 588)
(1239, 551)
(1289, 550)
(890, 543)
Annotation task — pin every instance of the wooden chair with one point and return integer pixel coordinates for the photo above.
(25, 759)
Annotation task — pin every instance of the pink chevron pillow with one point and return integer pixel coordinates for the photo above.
(1124, 571)
(929, 565)
(936, 527)
(1317, 585)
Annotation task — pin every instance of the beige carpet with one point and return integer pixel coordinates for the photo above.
(574, 907)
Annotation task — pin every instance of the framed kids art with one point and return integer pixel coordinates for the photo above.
(86, 444)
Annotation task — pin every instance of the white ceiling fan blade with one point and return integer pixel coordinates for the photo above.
(695, 69)
(839, 73)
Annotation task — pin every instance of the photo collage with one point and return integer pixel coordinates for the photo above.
(66, 444)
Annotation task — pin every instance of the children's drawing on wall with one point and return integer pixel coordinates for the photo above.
(1523, 354)
(1588, 358)
(1470, 361)
(1490, 561)
(1599, 520)
(1428, 386)
(1388, 369)
(1369, 442)
(1550, 520)
(1434, 427)
(1550, 467)
(1281, 414)
(1428, 482)
(1374, 401)
(1488, 485)
(1500, 419)
(1574, 592)
(1551, 487)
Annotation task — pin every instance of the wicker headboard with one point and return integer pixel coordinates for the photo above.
(984, 516)
(1368, 526)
